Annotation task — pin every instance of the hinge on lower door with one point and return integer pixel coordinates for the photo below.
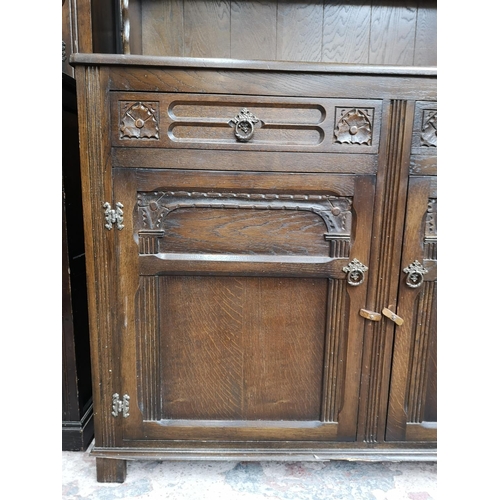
(113, 216)
(122, 406)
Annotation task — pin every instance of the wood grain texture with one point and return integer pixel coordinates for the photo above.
(239, 231)
(392, 33)
(253, 161)
(308, 30)
(259, 82)
(82, 25)
(426, 34)
(299, 31)
(346, 32)
(207, 28)
(110, 470)
(162, 27)
(237, 358)
(251, 182)
(254, 29)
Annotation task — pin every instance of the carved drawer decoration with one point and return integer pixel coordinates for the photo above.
(424, 140)
(423, 159)
(356, 126)
(139, 120)
(353, 126)
(428, 136)
(248, 123)
(243, 223)
(430, 239)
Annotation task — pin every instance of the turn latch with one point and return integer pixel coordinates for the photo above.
(392, 316)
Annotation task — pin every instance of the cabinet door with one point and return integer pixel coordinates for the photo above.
(412, 412)
(238, 304)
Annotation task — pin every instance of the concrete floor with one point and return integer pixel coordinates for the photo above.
(207, 480)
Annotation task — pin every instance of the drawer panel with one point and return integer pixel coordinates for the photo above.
(163, 120)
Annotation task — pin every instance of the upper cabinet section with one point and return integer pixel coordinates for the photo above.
(379, 32)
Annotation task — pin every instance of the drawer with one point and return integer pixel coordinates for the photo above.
(228, 122)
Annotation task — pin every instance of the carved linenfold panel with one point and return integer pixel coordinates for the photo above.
(418, 372)
(155, 207)
(428, 136)
(430, 239)
(139, 120)
(354, 126)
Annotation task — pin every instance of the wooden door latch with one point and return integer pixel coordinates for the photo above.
(374, 316)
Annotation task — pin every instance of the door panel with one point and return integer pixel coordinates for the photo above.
(238, 359)
(412, 413)
(238, 320)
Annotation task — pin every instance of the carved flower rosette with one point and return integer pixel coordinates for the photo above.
(429, 130)
(354, 127)
(139, 122)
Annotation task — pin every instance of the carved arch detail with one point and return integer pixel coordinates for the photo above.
(154, 207)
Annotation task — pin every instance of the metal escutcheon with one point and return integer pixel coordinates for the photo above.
(355, 272)
(415, 274)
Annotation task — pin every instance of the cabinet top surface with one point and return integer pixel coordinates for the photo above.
(237, 64)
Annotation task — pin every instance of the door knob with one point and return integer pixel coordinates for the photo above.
(392, 316)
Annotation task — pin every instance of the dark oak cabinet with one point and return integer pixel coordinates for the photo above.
(261, 245)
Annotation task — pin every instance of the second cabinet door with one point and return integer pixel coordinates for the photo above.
(412, 411)
(238, 304)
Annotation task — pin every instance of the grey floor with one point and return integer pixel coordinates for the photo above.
(207, 480)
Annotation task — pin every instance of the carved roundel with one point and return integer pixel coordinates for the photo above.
(428, 137)
(354, 126)
(139, 121)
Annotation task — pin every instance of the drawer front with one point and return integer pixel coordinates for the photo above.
(162, 120)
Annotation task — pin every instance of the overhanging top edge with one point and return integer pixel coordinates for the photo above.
(249, 65)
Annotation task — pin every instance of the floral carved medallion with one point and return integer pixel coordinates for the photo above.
(354, 126)
(139, 121)
(428, 136)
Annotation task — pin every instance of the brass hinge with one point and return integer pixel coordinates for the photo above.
(122, 406)
(113, 216)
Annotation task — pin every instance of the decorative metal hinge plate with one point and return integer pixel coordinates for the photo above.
(120, 406)
(113, 216)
